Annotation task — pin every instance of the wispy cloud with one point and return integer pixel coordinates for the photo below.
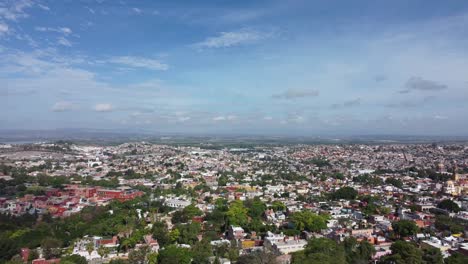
(62, 106)
(43, 7)
(137, 62)
(420, 84)
(90, 10)
(15, 10)
(296, 93)
(233, 38)
(137, 10)
(380, 78)
(103, 107)
(62, 30)
(347, 104)
(64, 42)
(12, 11)
(225, 118)
(3, 29)
(411, 103)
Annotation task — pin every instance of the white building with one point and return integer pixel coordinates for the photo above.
(177, 203)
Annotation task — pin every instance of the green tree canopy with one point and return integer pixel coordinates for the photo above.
(255, 207)
(306, 220)
(404, 228)
(75, 259)
(278, 206)
(432, 255)
(237, 213)
(186, 214)
(449, 205)
(320, 250)
(174, 255)
(201, 252)
(456, 258)
(161, 233)
(358, 252)
(347, 193)
(403, 253)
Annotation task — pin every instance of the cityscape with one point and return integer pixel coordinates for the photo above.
(233, 132)
(214, 203)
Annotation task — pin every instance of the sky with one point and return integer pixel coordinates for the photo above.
(296, 67)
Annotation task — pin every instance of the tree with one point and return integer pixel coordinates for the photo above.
(186, 214)
(255, 207)
(33, 254)
(432, 255)
(138, 256)
(320, 250)
(395, 182)
(174, 235)
(237, 214)
(152, 258)
(233, 251)
(449, 205)
(278, 206)
(15, 260)
(404, 228)
(103, 251)
(306, 220)
(161, 234)
(201, 252)
(74, 259)
(347, 193)
(119, 261)
(403, 253)
(51, 247)
(257, 257)
(174, 255)
(356, 252)
(188, 233)
(90, 247)
(456, 258)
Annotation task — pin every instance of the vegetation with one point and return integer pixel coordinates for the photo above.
(347, 193)
(404, 228)
(306, 220)
(449, 205)
(403, 253)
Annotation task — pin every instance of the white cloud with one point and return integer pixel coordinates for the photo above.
(225, 118)
(104, 107)
(296, 93)
(138, 62)
(233, 38)
(137, 10)
(12, 11)
(43, 7)
(418, 83)
(62, 30)
(219, 118)
(62, 106)
(183, 118)
(64, 42)
(3, 29)
(15, 9)
(440, 117)
(297, 119)
(92, 11)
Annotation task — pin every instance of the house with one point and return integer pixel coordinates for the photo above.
(177, 203)
(288, 246)
(236, 232)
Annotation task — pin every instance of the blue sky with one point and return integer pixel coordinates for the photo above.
(247, 67)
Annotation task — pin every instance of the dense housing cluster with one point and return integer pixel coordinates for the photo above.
(203, 203)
